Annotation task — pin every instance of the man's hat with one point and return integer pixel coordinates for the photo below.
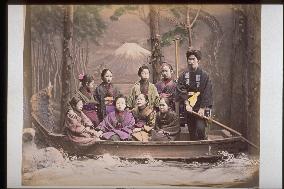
(196, 53)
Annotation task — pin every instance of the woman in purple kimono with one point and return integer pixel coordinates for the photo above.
(78, 126)
(117, 125)
(167, 86)
(105, 93)
(85, 93)
(144, 118)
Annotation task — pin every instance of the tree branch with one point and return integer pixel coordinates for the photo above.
(174, 21)
(194, 20)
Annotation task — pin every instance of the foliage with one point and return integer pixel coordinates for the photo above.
(45, 20)
(48, 19)
(88, 23)
(170, 35)
(178, 14)
(123, 10)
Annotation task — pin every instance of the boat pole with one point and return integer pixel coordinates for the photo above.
(176, 55)
(225, 127)
(176, 61)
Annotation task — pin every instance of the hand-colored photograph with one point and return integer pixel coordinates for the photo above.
(141, 95)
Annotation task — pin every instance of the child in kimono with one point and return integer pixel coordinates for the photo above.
(144, 86)
(78, 126)
(105, 93)
(167, 86)
(117, 125)
(144, 118)
(167, 127)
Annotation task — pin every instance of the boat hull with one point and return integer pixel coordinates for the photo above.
(172, 150)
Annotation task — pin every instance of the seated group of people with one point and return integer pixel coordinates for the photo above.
(107, 114)
(147, 114)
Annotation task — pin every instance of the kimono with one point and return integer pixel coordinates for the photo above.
(75, 127)
(151, 92)
(144, 119)
(168, 123)
(197, 81)
(102, 91)
(167, 89)
(90, 105)
(117, 123)
(193, 82)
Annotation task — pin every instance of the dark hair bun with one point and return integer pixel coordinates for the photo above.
(196, 53)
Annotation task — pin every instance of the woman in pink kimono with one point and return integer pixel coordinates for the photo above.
(79, 127)
(117, 125)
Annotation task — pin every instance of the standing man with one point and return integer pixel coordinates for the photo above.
(194, 89)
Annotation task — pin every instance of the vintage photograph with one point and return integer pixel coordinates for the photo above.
(164, 95)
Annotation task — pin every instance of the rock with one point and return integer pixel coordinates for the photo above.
(34, 158)
(47, 157)
(28, 135)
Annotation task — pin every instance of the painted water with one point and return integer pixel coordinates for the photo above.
(231, 171)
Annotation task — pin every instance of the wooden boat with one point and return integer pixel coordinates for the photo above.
(183, 149)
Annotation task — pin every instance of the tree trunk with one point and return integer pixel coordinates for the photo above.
(238, 110)
(155, 43)
(254, 67)
(27, 69)
(67, 63)
(188, 29)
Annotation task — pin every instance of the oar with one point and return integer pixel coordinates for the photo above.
(225, 127)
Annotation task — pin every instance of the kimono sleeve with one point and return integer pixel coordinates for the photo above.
(181, 92)
(102, 126)
(131, 98)
(151, 119)
(129, 124)
(156, 97)
(96, 94)
(207, 96)
(74, 124)
(173, 127)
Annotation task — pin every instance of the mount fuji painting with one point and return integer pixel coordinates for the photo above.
(129, 56)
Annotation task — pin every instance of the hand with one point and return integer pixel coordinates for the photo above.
(160, 131)
(86, 134)
(136, 130)
(147, 128)
(188, 108)
(165, 95)
(201, 112)
(100, 133)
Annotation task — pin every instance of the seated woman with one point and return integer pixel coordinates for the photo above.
(85, 93)
(167, 127)
(78, 126)
(144, 118)
(105, 93)
(117, 125)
